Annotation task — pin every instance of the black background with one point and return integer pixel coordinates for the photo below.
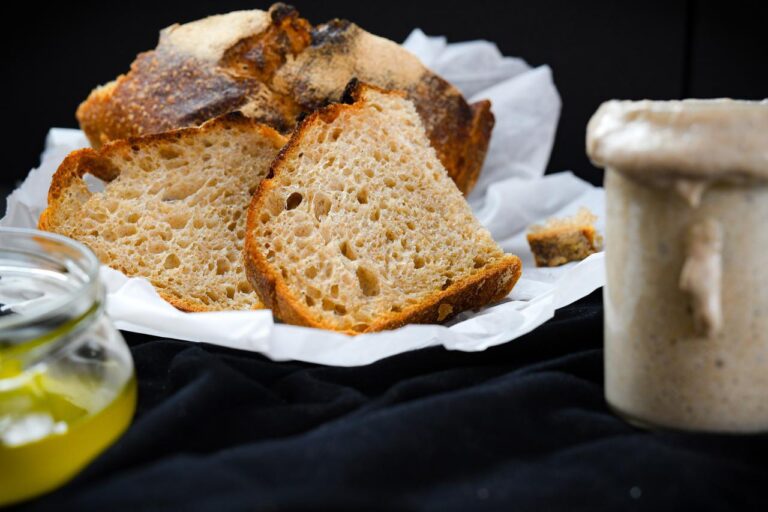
(57, 52)
(522, 426)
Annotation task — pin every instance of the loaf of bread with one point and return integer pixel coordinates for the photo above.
(559, 241)
(173, 208)
(359, 228)
(275, 66)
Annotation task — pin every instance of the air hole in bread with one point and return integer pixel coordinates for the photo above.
(314, 292)
(360, 327)
(178, 220)
(93, 184)
(178, 191)
(169, 153)
(171, 261)
(390, 236)
(302, 230)
(293, 201)
(368, 280)
(362, 197)
(97, 216)
(311, 272)
(347, 251)
(479, 262)
(222, 266)
(390, 182)
(244, 287)
(126, 230)
(157, 246)
(410, 225)
(328, 305)
(264, 218)
(334, 290)
(418, 262)
(396, 309)
(335, 134)
(339, 309)
(375, 214)
(369, 173)
(447, 284)
(309, 300)
(322, 205)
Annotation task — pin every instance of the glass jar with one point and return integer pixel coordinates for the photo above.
(686, 295)
(67, 384)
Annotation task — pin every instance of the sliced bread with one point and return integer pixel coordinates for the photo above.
(173, 208)
(273, 66)
(360, 228)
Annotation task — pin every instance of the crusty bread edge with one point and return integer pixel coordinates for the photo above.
(75, 166)
(490, 284)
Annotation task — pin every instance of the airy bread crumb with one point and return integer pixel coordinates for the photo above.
(173, 208)
(360, 228)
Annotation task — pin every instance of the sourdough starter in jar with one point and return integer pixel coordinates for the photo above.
(686, 299)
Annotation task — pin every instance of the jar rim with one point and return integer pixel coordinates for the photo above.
(87, 267)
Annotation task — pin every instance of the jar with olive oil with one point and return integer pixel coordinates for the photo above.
(67, 384)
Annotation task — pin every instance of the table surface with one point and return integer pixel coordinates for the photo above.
(521, 426)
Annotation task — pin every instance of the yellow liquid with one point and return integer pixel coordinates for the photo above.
(35, 467)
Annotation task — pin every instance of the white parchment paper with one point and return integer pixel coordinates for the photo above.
(512, 193)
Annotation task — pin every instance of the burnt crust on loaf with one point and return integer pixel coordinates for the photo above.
(274, 74)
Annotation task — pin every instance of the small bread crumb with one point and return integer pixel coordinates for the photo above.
(559, 241)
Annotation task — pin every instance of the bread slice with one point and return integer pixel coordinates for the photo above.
(559, 241)
(173, 208)
(340, 50)
(273, 66)
(359, 228)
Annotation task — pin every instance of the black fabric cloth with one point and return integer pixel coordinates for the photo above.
(522, 426)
